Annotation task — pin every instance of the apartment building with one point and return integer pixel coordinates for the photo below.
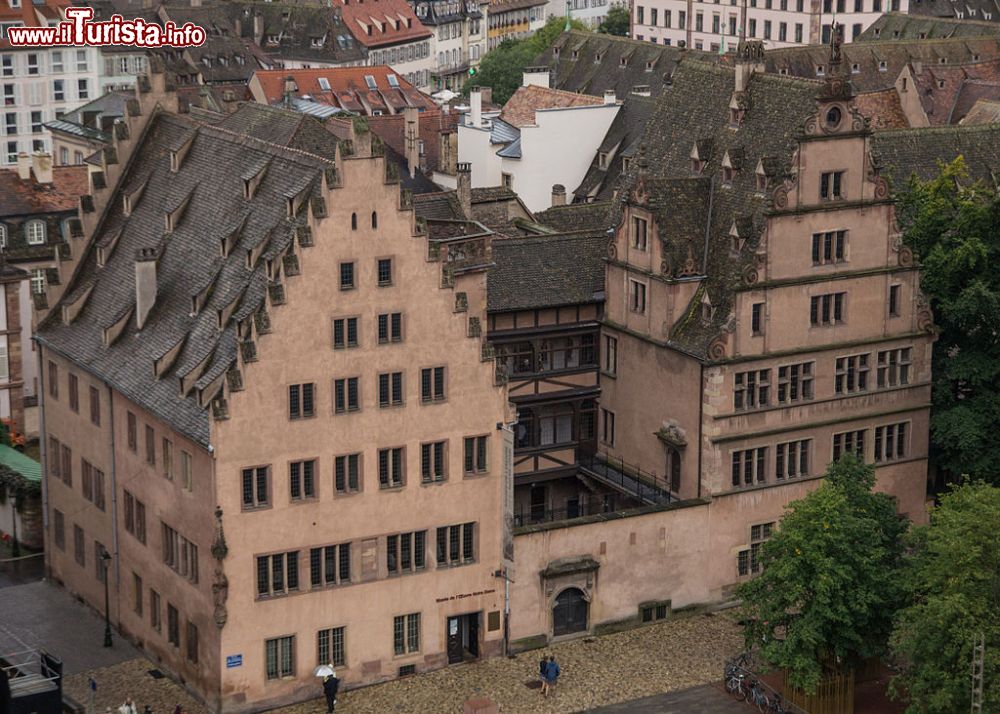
(391, 34)
(718, 27)
(40, 84)
(459, 40)
(356, 500)
(372, 91)
(513, 20)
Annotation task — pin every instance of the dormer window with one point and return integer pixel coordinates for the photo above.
(576, 54)
(940, 84)
(207, 61)
(697, 166)
(942, 60)
(820, 70)
(878, 32)
(597, 58)
(317, 42)
(735, 116)
(882, 66)
(649, 66)
(626, 164)
(602, 159)
(975, 58)
(239, 60)
(728, 174)
(736, 241)
(623, 62)
(761, 178)
(273, 39)
(855, 68)
(783, 71)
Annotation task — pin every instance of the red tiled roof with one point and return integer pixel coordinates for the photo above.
(985, 111)
(376, 23)
(430, 125)
(882, 109)
(348, 88)
(28, 197)
(521, 107)
(948, 92)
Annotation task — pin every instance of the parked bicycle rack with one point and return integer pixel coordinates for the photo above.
(741, 666)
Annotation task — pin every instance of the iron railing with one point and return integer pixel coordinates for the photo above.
(645, 486)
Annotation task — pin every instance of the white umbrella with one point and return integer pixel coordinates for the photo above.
(445, 95)
(324, 670)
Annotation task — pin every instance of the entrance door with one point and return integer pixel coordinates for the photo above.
(455, 640)
(463, 638)
(569, 614)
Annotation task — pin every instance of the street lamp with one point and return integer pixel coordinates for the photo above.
(106, 560)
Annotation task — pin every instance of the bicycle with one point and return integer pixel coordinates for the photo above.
(776, 707)
(757, 697)
(734, 685)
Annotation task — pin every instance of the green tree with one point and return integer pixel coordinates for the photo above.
(616, 22)
(827, 593)
(952, 227)
(502, 68)
(953, 576)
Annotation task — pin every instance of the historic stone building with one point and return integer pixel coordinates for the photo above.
(288, 461)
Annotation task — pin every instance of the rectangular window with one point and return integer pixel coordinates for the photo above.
(79, 546)
(434, 461)
(851, 374)
(639, 233)
(384, 272)
(390, 327)
(59, 528)
(55, 463)
(73, 388)
(187, 477)
(173, 626)
(167, 452)
(798, 31)
(53, 380)
(782, 31)
(330, 647)
(150, 446)
(849, 442)
(607, 426)
(154, 611)
(894, 300)
(83, 88)
(829, 247)
(277, 574)
(432, 384)
(345, 395)
(893, 367)
(792, 459)
(406, 552)
(767, 29)
(347, 276)
(136, 594)
(179, 554)
(390, 389)
(191, 642)
(456, 544)
(279, 655)
(757, 318)
(637, 297)
(826, 309)
(749, 466)
(95, 406)
(256, 487)
(748, 561)
(890, 442)
(347, 473)
(610, 354)
(751, 390)
(302, 480)
(135, 517)
(300, 401)
(57, 61)
(330, 565)
(345, 333)
(795, 383)
(132, 430)
(830, 185)
(406, 634)
(67, 465)
(475, 461)
(390, 467)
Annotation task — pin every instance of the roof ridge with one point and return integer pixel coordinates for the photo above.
(277, 149)
(942, 129)
(551, 237)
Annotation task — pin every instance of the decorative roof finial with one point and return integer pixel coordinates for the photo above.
(836, 40)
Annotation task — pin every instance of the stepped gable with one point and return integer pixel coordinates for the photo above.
(621, 144)
(903, 153)
(547, 271)
(591, 63)
(205, 198)
(695, 115)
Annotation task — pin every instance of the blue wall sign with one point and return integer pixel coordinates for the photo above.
(234, 661)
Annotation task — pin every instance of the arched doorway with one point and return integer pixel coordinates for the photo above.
(569, 612)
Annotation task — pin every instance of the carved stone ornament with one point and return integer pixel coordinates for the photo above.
(220, 584)
(613, 249)
(690, 267)
(925, 318)
(717, 347)
(750, 275)
(666, 267)
(779, 197)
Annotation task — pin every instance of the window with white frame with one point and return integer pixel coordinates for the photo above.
(38, 280)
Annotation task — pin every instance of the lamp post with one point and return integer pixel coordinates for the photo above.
(106, 560)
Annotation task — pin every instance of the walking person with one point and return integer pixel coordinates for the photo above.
(552, 672)
(542, 666)
(331, 684)
(128, 707)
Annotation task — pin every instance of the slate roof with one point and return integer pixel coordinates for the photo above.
(490, 194)
(905, 152)
(519, 111)
(621, 142)
(577, 217)
(967, 9)
(983, 112)
(898, 26)
(875, 66)
(440, 205)
(547, 271)
(592, 63)
(22, 197)
(211, 175)
(431, 124)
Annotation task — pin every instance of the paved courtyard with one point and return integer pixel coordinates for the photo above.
(674, 656)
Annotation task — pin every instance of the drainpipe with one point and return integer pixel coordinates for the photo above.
(701, 417)
(44, 453)
(114, 505)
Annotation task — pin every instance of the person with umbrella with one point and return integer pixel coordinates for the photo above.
(330, 685)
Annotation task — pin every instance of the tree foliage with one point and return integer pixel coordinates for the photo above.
(952, 227)
(953, 578)
(502, 68)
(827, 594)
(616, 22)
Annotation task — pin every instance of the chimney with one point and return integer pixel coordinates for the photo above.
(476, 106)
(145, 283)
(535, 75)
(749, 59)
(487, 93)
(41, 164)
(258, 28)
(24, 166)
(609, 96)
(464, 171)
(291, 88)
(558, 195)
(411, 117)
